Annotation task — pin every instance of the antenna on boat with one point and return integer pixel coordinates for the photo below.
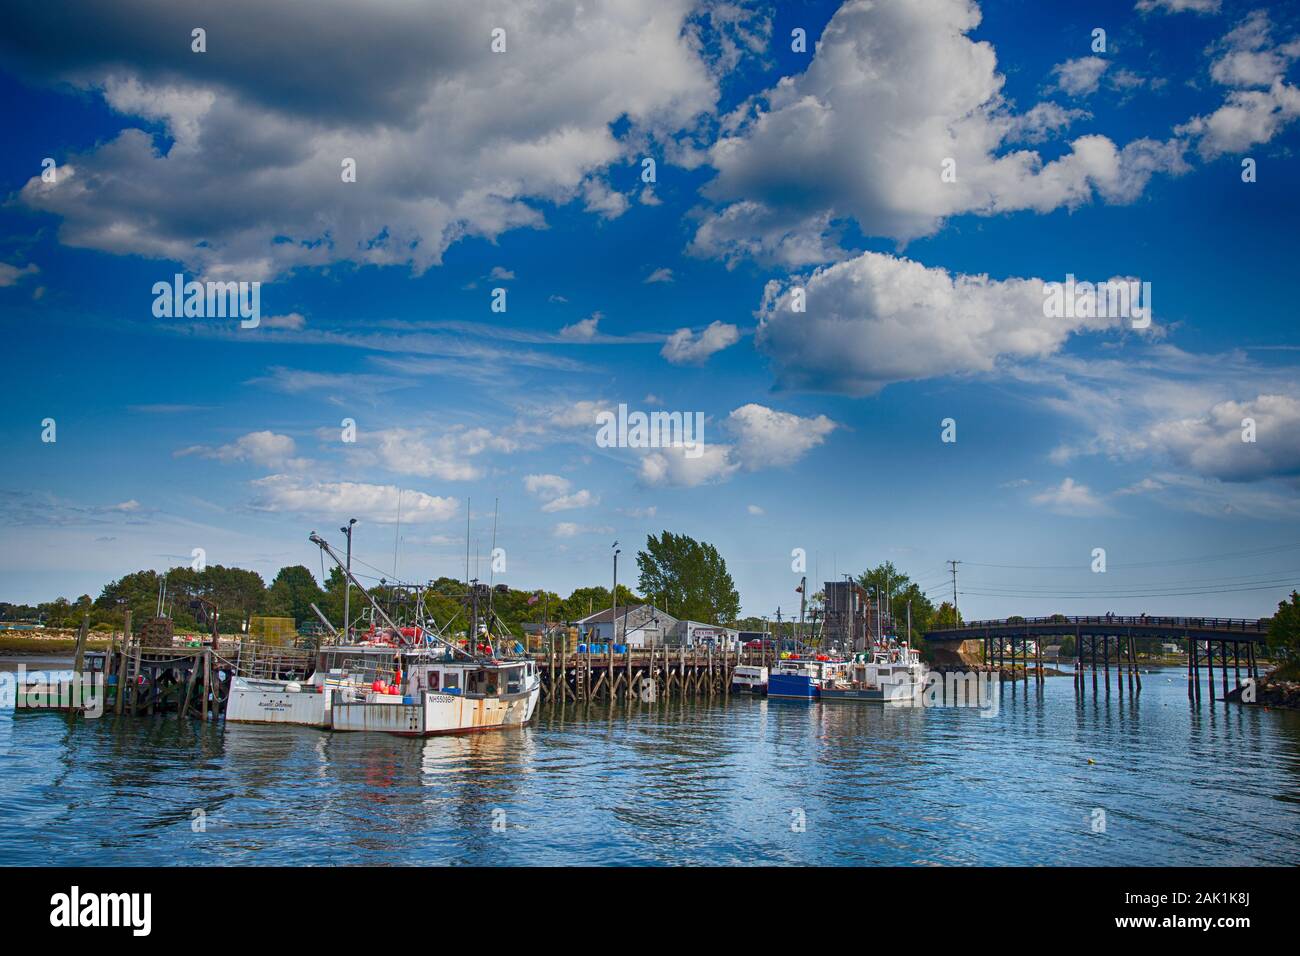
(492, 569)
(397, 534)
(496, 511)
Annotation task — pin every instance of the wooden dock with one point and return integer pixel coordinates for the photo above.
(145, 674)
(143, 678)
(645, 674)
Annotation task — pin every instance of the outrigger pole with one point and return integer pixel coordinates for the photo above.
(324, 620)
(324, 546)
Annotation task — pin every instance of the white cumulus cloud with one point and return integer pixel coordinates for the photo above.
(685, 347)
(895, 91)
(449, 139)
(879, 319)
(1070, 498)
(350, 499)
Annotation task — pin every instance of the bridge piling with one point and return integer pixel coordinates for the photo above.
(1105, 659)
(1223, 660)
(1009, 638)
(1209, 664)
(1195, 649)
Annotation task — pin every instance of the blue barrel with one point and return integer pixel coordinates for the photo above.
(582, 648)
(620, 648)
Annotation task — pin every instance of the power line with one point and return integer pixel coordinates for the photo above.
(1145, 564)
(1255, 578)
(1092, 596)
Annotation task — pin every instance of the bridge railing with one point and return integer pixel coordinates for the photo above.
(1257, 626)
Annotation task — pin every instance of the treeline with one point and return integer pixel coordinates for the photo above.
(684, 577)
(241, 595)
(688, 575)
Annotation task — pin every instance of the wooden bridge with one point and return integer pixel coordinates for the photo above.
(1096, 637)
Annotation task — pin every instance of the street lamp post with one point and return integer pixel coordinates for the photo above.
(614, 606)
(347, 583)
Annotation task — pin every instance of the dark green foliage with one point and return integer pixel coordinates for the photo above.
(687, 578)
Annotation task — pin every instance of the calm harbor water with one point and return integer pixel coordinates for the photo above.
(720, 783)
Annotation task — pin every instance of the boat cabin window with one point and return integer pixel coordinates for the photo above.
(435, 678)
(486, 682)
(514, 680)
(453, 680)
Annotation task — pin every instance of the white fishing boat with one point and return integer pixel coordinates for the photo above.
(885, 675)
(443, 697)
(749, 679)
(410, 681)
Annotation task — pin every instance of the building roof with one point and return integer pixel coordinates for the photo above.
(603, 617)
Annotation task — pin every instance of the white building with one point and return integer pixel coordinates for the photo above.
(641, 625)
(697, 634)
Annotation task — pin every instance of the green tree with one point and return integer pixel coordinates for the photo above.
(897, 590)
(688, 578)
(292, 594)
(137, 591)
(945, 617)
(1284, 630)
(592, 600)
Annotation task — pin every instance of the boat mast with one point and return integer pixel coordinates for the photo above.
(492, 568)
(803, 599)
(325, 546)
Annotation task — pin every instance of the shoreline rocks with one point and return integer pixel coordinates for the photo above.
(1282, 694)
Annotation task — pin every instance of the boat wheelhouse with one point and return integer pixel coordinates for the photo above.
(749, 679)
(801, 678)
(892, 674)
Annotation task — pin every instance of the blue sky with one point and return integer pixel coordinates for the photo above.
(775, 169)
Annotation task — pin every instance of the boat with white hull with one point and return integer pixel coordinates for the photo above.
(408, 681)
(393, 690)
(892, 674)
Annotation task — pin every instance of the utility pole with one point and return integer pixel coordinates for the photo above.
(777, 652)
(956, 616)
(803, 603)
(880, 618)
(347, 584)
(613, 613)
(889, 599)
